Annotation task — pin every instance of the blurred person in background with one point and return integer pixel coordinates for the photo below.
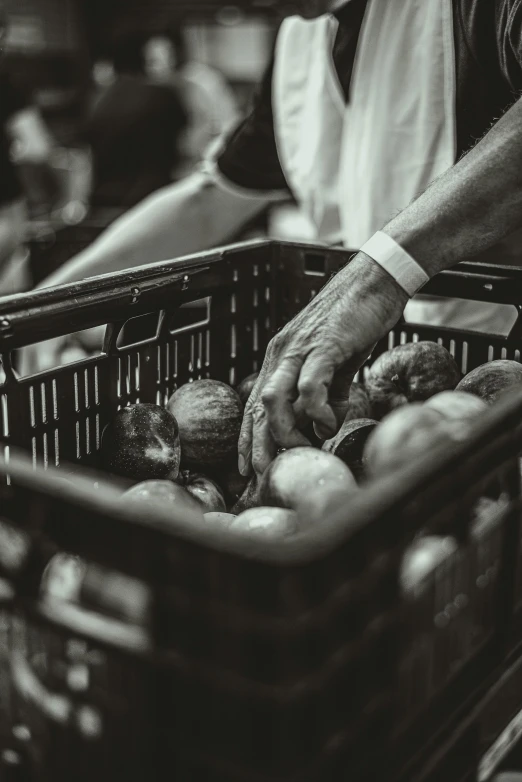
(26, 148)
(133, 132)
(209, 100)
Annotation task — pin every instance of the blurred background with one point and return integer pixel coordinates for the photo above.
(74, 65)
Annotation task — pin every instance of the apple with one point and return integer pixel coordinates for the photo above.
(224, 519)
(409, 373)
(457, 406)
(249, 498)
(419, 561)
(204, 490)
(164, 494)
(348, 444)
(244, 389)
(490, 380)
(359, 403)
(142, 442)
(304, 476)
(266, 522)
(403, 435)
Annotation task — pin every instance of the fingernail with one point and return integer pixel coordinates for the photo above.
(242, 465)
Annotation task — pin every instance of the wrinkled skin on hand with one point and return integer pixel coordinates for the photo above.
(310, 364)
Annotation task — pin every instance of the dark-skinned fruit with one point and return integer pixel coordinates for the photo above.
(209, 415)
(491, 380)
(409, 373)
(142, 443)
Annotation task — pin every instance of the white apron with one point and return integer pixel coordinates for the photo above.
(353, 167)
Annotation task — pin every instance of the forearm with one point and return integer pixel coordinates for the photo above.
(191, 216)
(472, 206)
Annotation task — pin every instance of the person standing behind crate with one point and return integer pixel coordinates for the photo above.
(133, 132)
(366, 104)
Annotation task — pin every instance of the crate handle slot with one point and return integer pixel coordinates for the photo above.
(56, 707)
(315, 264)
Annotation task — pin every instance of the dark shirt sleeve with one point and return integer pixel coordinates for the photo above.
(249, 158)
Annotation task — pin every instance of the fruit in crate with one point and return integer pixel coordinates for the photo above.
(409, 373)
(218, 518)
(266, 522)
(404, 435)
(249, 498)
(244, 389)
(305, 478)
(491, 380)
(359, 403)
(232, 483)
(420, 560)
(62, 578)
(165, 494)
(204, 490)
(349, 442)
(209, 415)
(457, 406)
(142, 442)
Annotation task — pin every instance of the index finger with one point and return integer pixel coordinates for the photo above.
(278, 396)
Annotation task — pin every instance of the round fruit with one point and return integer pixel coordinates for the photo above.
(420, 559)
(224, 519)
(490, 380)
(358, 403)
(348, 444)
(404, 435)
(409, 373)
(205, 491)
(209, 415)
(164, 494)
(142, 442)
(298, 477)
(244, 389)
(62, 578)
(457, 406)
(249, 498)
(266, 522)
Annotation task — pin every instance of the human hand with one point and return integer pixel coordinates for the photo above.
(310, 364)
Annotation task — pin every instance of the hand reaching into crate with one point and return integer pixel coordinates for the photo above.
(310, 364)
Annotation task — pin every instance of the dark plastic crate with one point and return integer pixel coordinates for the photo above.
(287, 661)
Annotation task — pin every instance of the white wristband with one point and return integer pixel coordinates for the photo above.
(396, 261)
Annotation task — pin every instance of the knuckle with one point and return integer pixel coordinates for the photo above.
(306, 387)
(259, 414)
(268, 396)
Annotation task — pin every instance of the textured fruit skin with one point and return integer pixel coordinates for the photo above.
(209, 415)
(409, 373)
(490, 380)
(205, 491)
(142, 442)
(349, 442)
(266, 522)
(223, 519)
(299, 476)
(165, 494)
(249, 498)
(244, 389)
(458, 406)
(405, 434)
(358, 403)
